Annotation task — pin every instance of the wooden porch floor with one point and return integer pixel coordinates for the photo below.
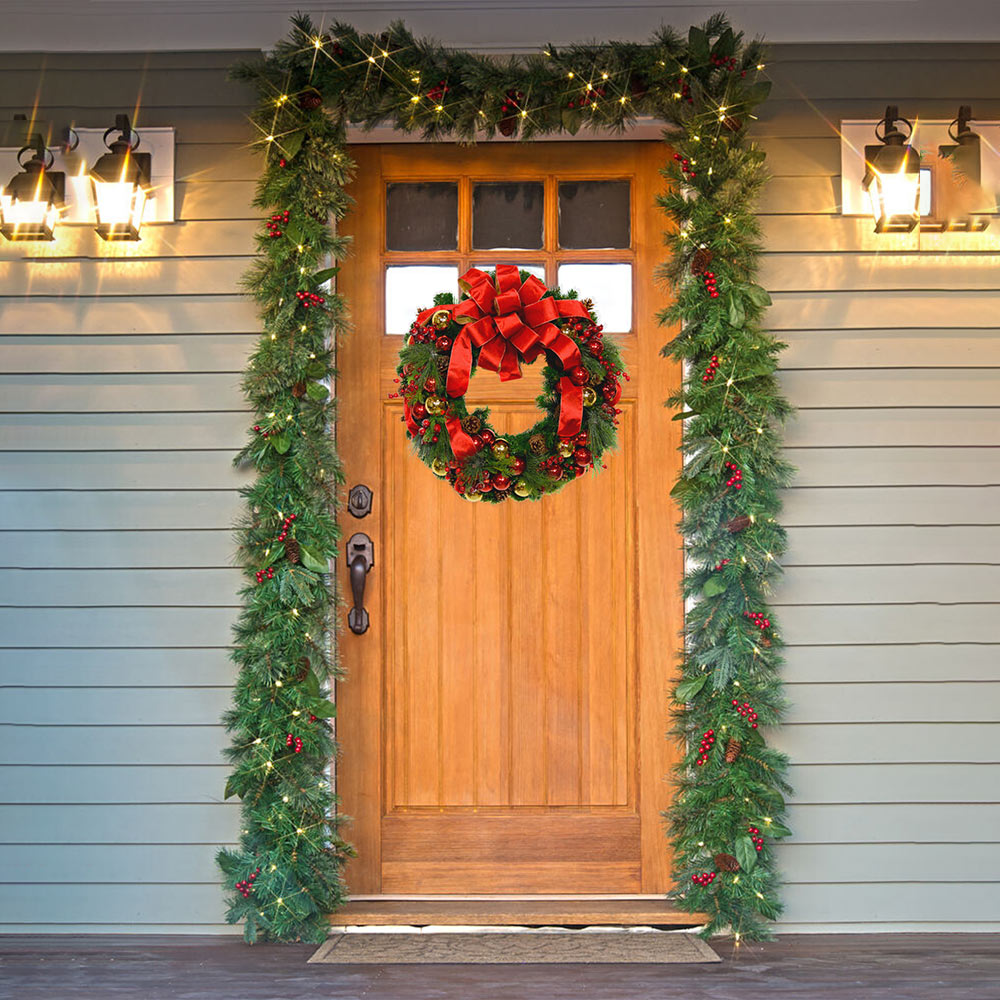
(805, 967)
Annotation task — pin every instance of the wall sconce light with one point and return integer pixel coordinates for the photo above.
(121, 183)
(964, 190)
(892, 177)
(30, 204)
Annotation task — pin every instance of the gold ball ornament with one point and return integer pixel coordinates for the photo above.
(440, 319)
(439, 467)
(434, 405)
(473, 497)
(589, 398)
(501, 448)
(566, 448)
(521, 488)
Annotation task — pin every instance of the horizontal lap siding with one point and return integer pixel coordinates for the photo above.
(120, 409)
(889, 600)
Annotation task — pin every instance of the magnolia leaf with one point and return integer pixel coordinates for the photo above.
(686, 690)
(684, 415)
(317, 391)
(713, 587)
(315, 369)
(312, 561)
(281, 443)
(737, 315)
(325, 275)
(682, 488)
(775, 829)
(322, 709)
(746, 853)
(725, 46)
(290, 144)
(758, 296)
(698, 46)
(311, 684)
(570, 120)
(231, 786)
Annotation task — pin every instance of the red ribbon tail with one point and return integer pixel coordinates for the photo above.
(462, 445)
(570, 408)
(460, 365)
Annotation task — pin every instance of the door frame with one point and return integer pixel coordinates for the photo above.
(659, 559)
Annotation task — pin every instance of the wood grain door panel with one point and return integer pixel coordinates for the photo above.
(503, 721)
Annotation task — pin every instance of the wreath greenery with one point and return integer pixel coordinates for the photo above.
(506, 317)
(287, 867)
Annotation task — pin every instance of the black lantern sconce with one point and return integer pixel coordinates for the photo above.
(121, 183)
(31, 202)
(965, 195)
(892, 176)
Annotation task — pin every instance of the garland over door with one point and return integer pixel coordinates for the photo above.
(503, 719)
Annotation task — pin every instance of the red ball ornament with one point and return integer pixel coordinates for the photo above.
(419, 411)
(583, 438)
(501, 482)
(443, 344)
(595, 347)
(583, 456)
(487, 436)
(518, 465)
(431, 385)
(578, 375)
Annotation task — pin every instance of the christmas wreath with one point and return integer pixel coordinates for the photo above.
(505, 318)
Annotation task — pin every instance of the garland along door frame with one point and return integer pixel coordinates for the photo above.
(502, 720)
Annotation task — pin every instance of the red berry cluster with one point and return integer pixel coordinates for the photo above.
(710, 286)
(684, 89)
(723, 62)
(259, 430)
(590, 97)
(282, 162)
(437, 92)
(746, 711)
(705, 878)
(512, 102)
(265, 574)
(713, 367)
(724, 562)
(275, 223)
(735, 476)
(246, 885)
(758, 840)
(757, 617)
(685, 166)
(294, 741)
(707, 742)
(286, 524)
(307, 299)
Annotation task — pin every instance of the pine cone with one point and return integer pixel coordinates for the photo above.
(536, 444)
(304, 667)
(310, 100)
(508, 125)
(299, 390)
(442, 361)
(733, 124)
(701, 260)
(764, 641)
(737, 524)
(472, 424)
(292, 553)
(588, 304)
(733, 749)
(726, 863)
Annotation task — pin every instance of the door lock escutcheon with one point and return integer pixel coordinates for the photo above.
(359, 501)
(360, 559)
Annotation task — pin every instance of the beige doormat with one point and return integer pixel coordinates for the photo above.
(419, 948)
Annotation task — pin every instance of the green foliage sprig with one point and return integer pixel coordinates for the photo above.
(287, 870)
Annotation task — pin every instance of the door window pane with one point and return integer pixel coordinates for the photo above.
(508, 216)
(410, 289)
(421, 217)
(609, 285)
(594, 215)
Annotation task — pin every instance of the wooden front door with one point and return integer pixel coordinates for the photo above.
(502, 723)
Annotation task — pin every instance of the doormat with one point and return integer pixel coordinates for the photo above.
(654, 947)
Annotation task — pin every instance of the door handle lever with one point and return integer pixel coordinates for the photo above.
(360, 559)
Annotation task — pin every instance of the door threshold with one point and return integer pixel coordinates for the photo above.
(530, 911)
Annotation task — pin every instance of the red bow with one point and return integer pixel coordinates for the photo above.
(510, 322)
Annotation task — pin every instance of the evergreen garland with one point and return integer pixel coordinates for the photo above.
(287, 870)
